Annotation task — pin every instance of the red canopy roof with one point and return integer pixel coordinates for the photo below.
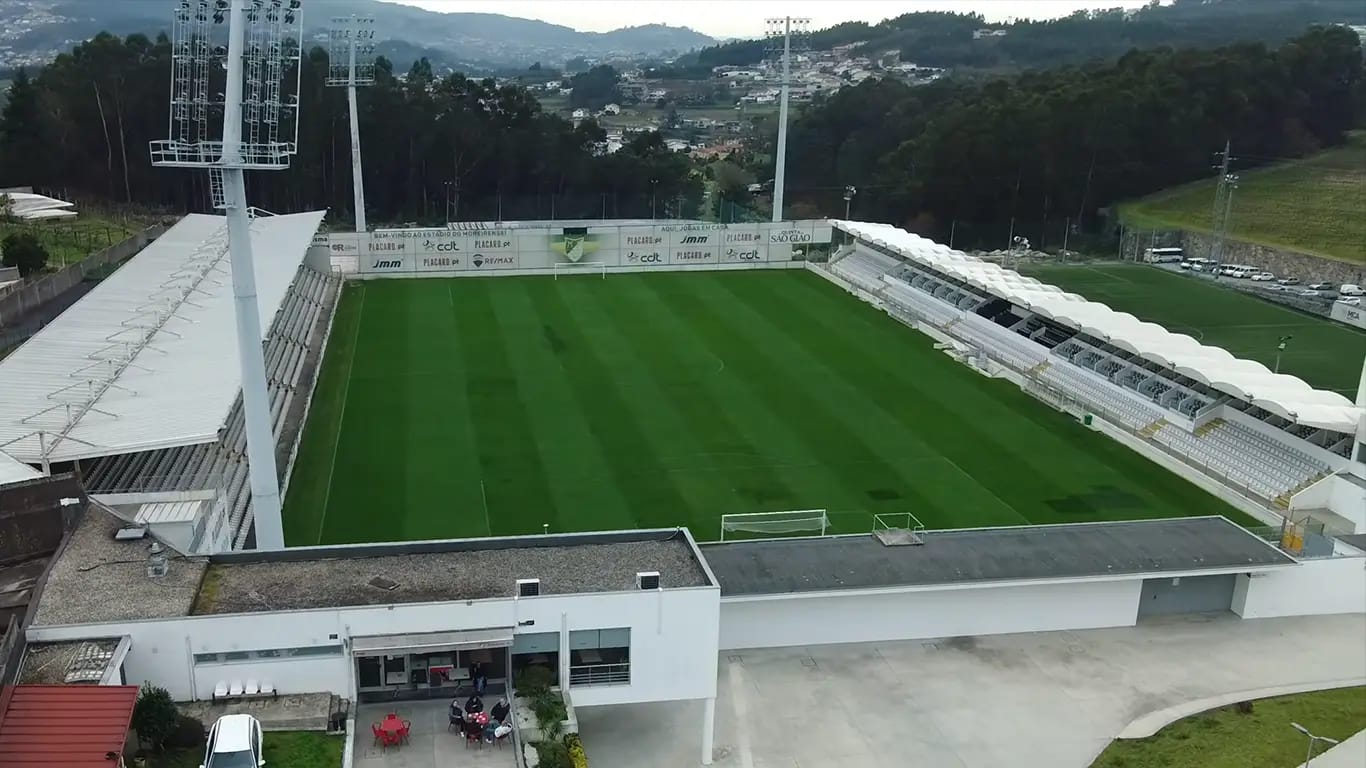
(73, 726)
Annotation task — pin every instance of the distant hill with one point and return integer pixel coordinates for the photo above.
(965, 41)
(1313, 205)
(35, 30)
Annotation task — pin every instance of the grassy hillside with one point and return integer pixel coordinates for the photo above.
(1314, 205)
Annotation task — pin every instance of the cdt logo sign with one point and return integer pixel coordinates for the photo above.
(437, 246)
(735, 254)
(648, 257)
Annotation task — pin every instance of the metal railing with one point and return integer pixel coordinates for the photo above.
(600, 674)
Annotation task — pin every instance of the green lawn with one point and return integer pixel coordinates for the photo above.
(1224, 738)
(67, 242)
(469, 407)
(1325, 353)
(1313, 205)
(283, 749)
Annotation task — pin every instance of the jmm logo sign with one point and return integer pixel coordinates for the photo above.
(387, 264)
(694, 240)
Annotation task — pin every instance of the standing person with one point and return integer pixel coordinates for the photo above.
(481, 679)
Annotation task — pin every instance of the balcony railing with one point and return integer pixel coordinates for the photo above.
(600, 674)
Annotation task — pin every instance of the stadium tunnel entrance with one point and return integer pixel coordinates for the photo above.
(1187, 595)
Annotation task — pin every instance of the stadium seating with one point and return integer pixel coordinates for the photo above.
(864, 268)
(222, 465)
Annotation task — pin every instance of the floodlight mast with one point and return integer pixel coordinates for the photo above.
(252, 99)
(352, 37)
(784, 28)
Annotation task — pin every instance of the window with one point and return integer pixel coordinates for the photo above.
(600, 657)
(267, 654)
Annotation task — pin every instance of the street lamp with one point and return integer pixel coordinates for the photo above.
(849, 192)
(1280, 347)
(1312, 738)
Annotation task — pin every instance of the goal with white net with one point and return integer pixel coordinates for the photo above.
(567, 267)
(793, 521)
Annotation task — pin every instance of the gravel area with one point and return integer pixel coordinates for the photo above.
(466, 573)
(46, 663)
(97, 579)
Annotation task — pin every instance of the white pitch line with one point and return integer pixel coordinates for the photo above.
(341, 417)
(487, 522)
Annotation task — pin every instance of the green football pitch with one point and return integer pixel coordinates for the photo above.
(470, 407)
(1325, 353)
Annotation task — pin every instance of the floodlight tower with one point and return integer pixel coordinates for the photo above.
(260, 132)
(351, 63)
(780, 33)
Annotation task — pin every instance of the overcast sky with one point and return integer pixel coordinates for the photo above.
(745, 18)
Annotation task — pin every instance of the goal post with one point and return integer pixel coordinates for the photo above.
(792, 521)
(579, 266)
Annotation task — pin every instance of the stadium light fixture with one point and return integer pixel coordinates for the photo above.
(351, 63)
(784, 35)
(258, 95)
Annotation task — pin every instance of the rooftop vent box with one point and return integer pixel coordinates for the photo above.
(130, 533)
(647, 579)
(528, 587)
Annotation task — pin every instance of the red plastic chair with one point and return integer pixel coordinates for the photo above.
(392, 739)
(404, 731)
(379, 734)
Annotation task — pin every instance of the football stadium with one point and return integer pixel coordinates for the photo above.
(332, 477)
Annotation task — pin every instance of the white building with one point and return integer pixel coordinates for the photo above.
(635, 616)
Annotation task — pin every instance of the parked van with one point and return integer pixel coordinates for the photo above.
(1351, 289)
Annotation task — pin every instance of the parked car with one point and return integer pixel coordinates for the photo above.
(1289, 281)
(234, 742)
(1351, 301)
(1321, 286)
(1263, 277)
(1310, 292)
(1351, 289)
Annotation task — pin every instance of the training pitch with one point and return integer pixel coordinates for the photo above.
(497, 406)
(1323, 352)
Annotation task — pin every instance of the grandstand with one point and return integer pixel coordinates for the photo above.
(1266, 435)
(138, 385)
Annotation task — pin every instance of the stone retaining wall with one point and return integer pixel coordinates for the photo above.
(1283, 262)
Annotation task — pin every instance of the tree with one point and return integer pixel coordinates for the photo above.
(595, 88)
(154, 716)
(23, 250)
(23, 150)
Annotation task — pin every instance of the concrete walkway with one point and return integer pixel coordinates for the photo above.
(1043, 700)
(1349, 754)
(432, 744)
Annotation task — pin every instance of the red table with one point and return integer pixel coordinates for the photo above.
(395, 730)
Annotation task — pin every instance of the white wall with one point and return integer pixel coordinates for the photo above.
(1343, 497)
(673, 640)
(835, 617)
(1323, 586)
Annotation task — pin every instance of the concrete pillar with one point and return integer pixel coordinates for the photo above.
(708, 728)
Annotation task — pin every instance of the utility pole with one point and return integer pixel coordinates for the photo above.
(782, 29)
(1222, 202)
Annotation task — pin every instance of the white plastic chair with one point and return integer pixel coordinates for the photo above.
(220, 689)
(235, 689)
(267, 688)
(252, 688)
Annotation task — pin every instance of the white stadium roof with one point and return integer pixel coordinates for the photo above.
(1284, 395)
(28, 206)
(12, 470)
(148, 359)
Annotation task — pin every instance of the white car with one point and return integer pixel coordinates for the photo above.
(1289, 281)
(1321, 286)
(1310, 292)
(1351, 289)
(234, 742)
(1263, 277)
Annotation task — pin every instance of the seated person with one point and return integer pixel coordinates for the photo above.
(456, 715)
(500, 710)
(474, 704)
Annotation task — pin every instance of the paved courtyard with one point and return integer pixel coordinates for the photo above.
(1043, 700)
(432, 744)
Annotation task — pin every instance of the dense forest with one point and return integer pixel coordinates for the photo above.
(1064, 142)
(1057, 144)
(937, 39)
(82, 125)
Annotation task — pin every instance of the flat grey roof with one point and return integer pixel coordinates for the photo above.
(779, 566)
(473, 569)
(97, 579)
(1357, 540)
